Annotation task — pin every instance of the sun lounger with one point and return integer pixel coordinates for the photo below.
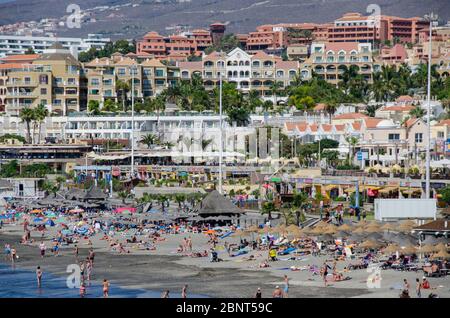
(226, 235)
(287, 251)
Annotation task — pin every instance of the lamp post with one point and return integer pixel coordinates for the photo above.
(221, 134)
(133, 70)
(431, 17)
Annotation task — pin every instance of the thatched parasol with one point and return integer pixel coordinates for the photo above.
(441, 255)
(369, 244)
(253, 229)
(408, 250)
(359, 230)
(388, 227)
(280, 229)
(392, 248)
(317, 231)
(239, 233)
(292, 228)
(330, 229)
(372, 229)
(440, 247)
(427, 248)
(346, 227)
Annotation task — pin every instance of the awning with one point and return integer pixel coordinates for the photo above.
(388, 190)
(330, 187)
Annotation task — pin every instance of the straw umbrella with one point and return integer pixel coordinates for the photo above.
(388, 227)
(408, 250)
(346, 227)
(369, 244)
(440, 247)
(426, 249)
(330, 229)
(292, 228)
(392, 248)
(317, 231)
(359, 230)
(372, 229)
(441, 255)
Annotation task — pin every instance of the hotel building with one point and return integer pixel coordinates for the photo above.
(249, 72)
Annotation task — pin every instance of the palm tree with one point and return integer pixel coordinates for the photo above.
(123, 195)
(352, 142)
(267, 208)
(417, 112)
(168, 145)
(275, 89)
(149, 140)
(330, 108)
(179, 198)
(41, 112)
(27, 115)
(298, 202)
(124, 88)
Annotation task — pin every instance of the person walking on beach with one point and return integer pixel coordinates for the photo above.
(184, 291)
(406, 285)
(105, 288)
(325, 268)
(76, 251)
(286, 286)
(165, 294)
(258, 293)
(277, 293)
(88, 270)
(7, 251)
(82, 290)
(418, 288)
(13, 255)
(91, 256)
(39, 276)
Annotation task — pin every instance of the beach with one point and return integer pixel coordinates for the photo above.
(165, 269)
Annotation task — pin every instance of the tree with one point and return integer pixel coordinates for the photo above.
(110, 106)
(27, 116)
(179, 198)
(149, 140)
(10, 169)
(124, 195)
(299, 200)
(445, 192)
(267, 208)
(417, 112)
(123, 88)
(275, 88)
(352, 142)
(94, 107)
(41, 112)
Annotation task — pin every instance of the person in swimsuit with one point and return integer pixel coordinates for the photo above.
(165, 294)
(184, 291)
(277, 293)
(325, 272)
(82, 290)
(13, 255)
(258, 293)
(105, 288)
(39, 276)
(286, 286)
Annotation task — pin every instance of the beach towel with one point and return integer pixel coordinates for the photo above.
(287, 251)
(239, 253)
(226, 235)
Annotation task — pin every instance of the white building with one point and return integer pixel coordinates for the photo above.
(19, 44)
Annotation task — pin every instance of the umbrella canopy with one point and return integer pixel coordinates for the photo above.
(292, 228)
(441, 255)
(388, 227)
(408, 250)
(359, 230)
(346, 227)
(427, 248)
(326, 237)
(373, 229)
(440, 247)
(434, 240)
(369, 244)
(253, 228)
(216, 204)
(392, 248)
(374, 236)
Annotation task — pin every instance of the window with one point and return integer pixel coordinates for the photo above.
(43, 91)
(394, 137)
(159, 72)
(71, 81)
(440, 134)
(147, 71)
(58, 80)
(418, 137)
(121, 72)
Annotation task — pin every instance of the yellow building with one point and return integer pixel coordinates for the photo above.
(54, 80)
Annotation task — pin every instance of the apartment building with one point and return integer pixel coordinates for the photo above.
(248, 71)
(55, 79)
(150, 77)
(440, 136)
(393, 55)
(19, 44)
(181, 45)
(330, 60)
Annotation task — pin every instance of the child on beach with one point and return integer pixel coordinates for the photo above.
(39, 276)
(105, 288)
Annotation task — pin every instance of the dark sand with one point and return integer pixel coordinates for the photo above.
(159, 273)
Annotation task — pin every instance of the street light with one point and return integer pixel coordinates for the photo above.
(431, 17)
(133, 70)
(221, 133)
